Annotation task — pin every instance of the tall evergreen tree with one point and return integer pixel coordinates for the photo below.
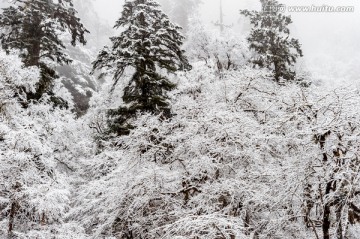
(34, 27)
(270, 39)
(149, 42)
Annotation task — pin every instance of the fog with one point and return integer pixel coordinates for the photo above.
(330, 40)
(109, 10)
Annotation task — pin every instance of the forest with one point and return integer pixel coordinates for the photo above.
(161, 126)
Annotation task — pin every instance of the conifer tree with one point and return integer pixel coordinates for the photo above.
(149, 42)
(270, 39)
(33, 27)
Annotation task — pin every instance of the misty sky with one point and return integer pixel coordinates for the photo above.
(110, 10)
(310, 27)
(330, 40)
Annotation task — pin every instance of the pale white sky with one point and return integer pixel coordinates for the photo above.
(109, 9)
(330, 40)
(325, 37)
(312, 28)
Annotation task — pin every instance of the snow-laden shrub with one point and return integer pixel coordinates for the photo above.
(225, 51)
(216, 169)
(35, 152)
(15, 80)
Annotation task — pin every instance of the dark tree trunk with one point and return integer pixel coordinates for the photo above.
(326, 222)
(309, 204)
(339, 231)
(12, 218)
(277, 71)
(34, 54)
(326, 218)
(34, 35)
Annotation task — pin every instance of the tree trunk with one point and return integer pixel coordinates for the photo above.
(34, 54)
(308, 204)
(276, 71)
(327, 210)
(12, 218)
(326, 222)
(34, 34)
(339, 230)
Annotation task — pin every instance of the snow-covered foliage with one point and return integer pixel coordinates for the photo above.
(35, 149)
(148, 44)
(13, 78)
(271, 42)
(235, 161)
(226, 51)
(241, 157)
(33, 27)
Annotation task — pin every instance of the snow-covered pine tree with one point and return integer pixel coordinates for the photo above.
(34, 27)
(149, 42)
(270, 39)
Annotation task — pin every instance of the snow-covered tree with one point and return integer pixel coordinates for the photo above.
(331, 188)
(226, 51)
(36, 157)
(242, 156)
(147, 43)
(34, 27)
(270, 39)
(218, 169)
(26, 175)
